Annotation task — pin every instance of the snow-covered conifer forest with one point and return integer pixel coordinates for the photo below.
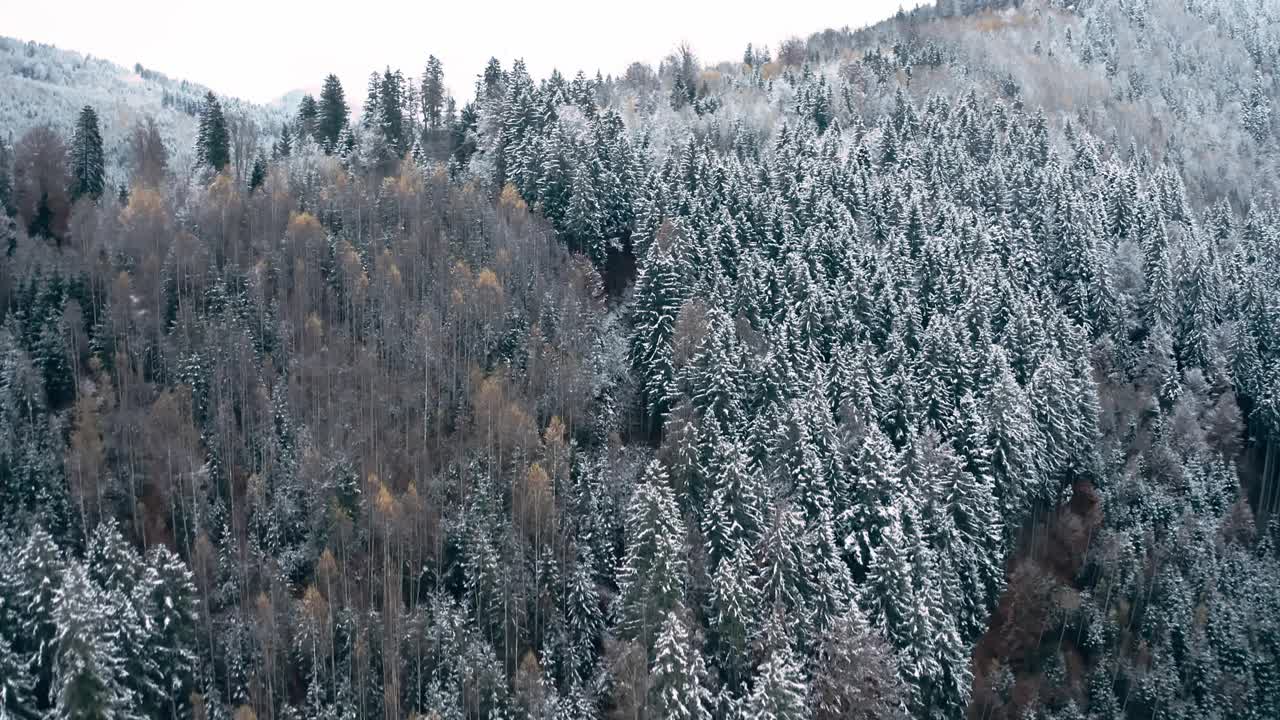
(926, 370)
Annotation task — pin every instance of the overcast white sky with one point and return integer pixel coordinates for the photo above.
(261, 49)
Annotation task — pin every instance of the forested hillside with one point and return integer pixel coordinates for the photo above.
(928, 370)
(41, 84)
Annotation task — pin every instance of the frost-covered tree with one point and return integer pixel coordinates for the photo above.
(1257, 111)
(652, 574)
(89, 678)
(780, 689)
(432, 93)
(678, 674)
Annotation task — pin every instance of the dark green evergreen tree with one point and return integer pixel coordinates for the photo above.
(87, 162)
(332, 114)
(307, 121)
(213, 147)
(258, 174)
(432, 94)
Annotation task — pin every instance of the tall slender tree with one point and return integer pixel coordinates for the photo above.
(433, 93)
(87, 164)
(213, 145)
(333, 114)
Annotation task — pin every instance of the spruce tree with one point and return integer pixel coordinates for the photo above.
(678, 674)
(1257, 110)
(168, 598)
(308, 119)
(87, 162)
(6, 179)
(781, 691)
(213, 146)
(258, 174)
(39, 571)
(733, 614)
(332, 115)
(89, 676)
(391, 105)
(17, 686)
(284, 145)
(652, 575)
(583, 223)
(657, 302)
(433, 93)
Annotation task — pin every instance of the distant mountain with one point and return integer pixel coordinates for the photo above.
(41, 83)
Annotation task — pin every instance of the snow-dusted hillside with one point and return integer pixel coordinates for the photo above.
(44, 84)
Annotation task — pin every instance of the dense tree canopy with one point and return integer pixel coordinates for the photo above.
(928, 370)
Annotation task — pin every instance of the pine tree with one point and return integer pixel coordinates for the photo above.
(715, 377)
(736, 498)
(17, 684)
(332, 114)
(874, 491)
(116, 569)
(583, 615)
(371, 113)
(86, 160)
(784, 571)
(889, 593)
(1158, 296)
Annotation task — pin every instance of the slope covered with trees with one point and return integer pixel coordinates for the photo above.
(929, 370)
(41, 84)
